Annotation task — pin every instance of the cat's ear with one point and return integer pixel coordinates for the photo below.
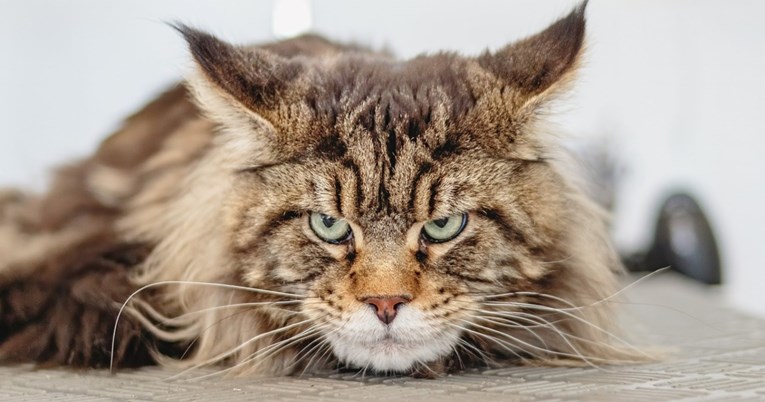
(235, 83)
(535, 68)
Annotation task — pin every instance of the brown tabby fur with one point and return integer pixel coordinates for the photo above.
(307, 125)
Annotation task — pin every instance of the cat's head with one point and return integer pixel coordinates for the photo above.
(400, 196)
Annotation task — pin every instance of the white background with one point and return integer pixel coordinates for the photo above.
(675, 87)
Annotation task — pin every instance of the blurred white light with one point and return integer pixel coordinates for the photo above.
(291, 17)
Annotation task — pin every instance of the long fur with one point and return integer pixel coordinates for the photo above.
(192, 196)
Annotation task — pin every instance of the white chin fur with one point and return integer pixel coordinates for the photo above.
(364, 341)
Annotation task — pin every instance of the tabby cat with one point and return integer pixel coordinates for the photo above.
(319, 206)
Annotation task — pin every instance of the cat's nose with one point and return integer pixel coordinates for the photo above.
(386, 307)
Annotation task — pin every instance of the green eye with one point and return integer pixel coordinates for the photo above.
(444, 229)
(329, 229)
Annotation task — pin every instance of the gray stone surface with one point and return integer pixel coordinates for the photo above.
(714, 353)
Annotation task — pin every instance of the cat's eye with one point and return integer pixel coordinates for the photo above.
(444, 229)
(329, 229)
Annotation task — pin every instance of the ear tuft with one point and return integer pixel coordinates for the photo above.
(532, 66)
(253, 77)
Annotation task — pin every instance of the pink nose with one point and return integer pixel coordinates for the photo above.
(386, 307)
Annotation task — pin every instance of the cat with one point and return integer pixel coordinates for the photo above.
(320, 205)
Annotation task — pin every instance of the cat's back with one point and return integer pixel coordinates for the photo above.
(311, 45)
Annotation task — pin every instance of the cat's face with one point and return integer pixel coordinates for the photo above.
(409, 227)
(394, 196)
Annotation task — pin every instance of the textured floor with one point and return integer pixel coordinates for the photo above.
(719, 355)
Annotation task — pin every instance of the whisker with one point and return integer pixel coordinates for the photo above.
(325, 356)
(273, 304)
(322, 343)
(145, 306)
(363, 371)
(335, 328)
(425, 366)
(313, 352)
(162, 283)
(286, 342)
(565, 312)
(529, 330)
(191, 344)
(467, 346)
(578, 354)
(565, 337)
(207, 328)
(273, 349)
(171, 320)
(270, 350)
(151, 327)
(510, 314)
(457, 355)
(613, 295)
(240, 347)
(496, 340)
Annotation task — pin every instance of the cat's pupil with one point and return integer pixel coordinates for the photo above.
(441, 222)
(328, 221)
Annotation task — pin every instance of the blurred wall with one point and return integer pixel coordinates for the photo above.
(673, 87)
(71, 70)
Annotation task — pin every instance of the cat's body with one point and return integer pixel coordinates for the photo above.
(396, 216)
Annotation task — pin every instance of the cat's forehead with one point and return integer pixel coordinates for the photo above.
(388, 128)
(413, 92)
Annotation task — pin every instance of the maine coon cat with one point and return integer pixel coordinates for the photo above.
(320, 205)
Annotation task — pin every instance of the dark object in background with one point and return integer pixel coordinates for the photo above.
(683, 240)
